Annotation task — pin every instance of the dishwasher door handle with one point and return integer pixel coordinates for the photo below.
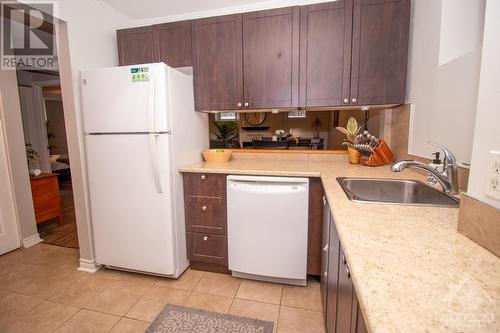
(267, 179)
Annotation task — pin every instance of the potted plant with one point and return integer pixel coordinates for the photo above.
(227, 132)
(31, 154)
(351, 132)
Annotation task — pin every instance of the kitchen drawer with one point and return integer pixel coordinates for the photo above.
(205, 188)
(207, 248)
(206, 218)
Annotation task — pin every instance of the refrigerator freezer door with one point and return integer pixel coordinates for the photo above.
(130, 201)
(115, 101)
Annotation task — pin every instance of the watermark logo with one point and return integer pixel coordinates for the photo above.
(28, 38)
(471, 308)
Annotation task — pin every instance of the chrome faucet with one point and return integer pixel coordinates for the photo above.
(448, 178)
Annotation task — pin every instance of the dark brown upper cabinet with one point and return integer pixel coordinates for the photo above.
(342, 53)
(271, 58)
(218, 62)
(172, 43)
(354, 52)
(379, 51)
(135, 46)
(325, 53)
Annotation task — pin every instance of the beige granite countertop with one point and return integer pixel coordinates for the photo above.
(412, 270)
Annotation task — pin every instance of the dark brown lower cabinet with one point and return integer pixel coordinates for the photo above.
(207, 248)
(344, 296)
(315, 226)
(341, 309)
(325, 253)
(358, 324)
(333, 277)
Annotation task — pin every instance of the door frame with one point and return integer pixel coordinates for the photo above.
(10, 189)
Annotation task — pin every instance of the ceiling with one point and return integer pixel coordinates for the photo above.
(148, 9)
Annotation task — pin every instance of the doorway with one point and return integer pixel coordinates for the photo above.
(47, 156)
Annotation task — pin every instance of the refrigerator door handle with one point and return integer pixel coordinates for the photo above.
(153, 140)
(152, 100)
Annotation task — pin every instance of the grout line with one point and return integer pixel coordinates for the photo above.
(196, 286)
(64, 322)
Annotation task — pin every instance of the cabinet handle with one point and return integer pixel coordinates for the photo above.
(246, 104)
(343, 260)
(203, 177)
(325, 274)
(324, 201)
(239, 105)
(347, 272)
(205, 238)
(325, 249)
(354, 100)
(346, 100)
(203, 207)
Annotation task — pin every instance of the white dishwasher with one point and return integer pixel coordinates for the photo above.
(267, 222)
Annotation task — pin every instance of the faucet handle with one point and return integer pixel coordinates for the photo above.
(449, 158)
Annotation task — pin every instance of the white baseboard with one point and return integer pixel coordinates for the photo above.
(31, 240)
(89, 266)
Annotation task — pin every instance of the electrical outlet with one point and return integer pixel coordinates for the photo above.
(493, 189)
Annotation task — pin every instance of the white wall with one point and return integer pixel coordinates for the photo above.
(486, 136)
(87, 40)
(443, 74)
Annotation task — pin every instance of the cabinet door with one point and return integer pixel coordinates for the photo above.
(325, 53)
(358, 324)
(344, 299)
(217, 62)
(334, 265)
(379, 51)
(135, 46)
(271, 58)
(325, 243)
(315, 227)
(172, 43)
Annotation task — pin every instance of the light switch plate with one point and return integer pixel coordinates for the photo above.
(493, 184)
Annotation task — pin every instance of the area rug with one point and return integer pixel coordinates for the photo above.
(179, 319)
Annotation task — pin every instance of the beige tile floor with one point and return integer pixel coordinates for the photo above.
(41, 291)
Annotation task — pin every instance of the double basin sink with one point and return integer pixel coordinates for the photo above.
(395, 191)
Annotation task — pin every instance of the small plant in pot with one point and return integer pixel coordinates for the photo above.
(351, 132)
(227, 132)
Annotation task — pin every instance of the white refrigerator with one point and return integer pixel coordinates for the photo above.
(140, 127)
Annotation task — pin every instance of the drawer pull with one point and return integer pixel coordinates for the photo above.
(203, 177)
(347, 272)
(325, 249)
(205, 238)
(343, 260)
(203, 207)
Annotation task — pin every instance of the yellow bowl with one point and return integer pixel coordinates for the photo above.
(214, 156)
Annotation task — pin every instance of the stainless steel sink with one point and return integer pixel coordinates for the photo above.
(395, 191)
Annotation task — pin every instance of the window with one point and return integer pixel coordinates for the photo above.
(296, 114)
(226, 116)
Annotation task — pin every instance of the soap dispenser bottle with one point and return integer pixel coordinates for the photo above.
(436, 163)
